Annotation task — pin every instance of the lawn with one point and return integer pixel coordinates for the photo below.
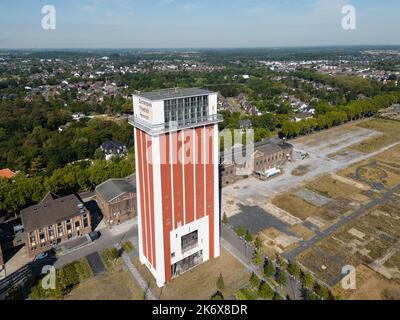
(115, 285)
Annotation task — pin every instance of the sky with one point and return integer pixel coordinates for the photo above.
(196, 23)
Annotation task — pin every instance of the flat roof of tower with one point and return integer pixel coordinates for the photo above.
(166, 94)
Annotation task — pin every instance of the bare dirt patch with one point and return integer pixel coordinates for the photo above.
(301, 171)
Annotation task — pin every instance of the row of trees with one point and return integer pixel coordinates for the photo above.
(332, 116)
(24, 191)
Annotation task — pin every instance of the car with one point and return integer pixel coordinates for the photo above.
(94, 235)
(42, 256)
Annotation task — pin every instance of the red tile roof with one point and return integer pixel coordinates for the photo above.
(7, 173)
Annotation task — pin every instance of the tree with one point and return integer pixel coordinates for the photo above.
(266, 292)
(248, 236)
(281, 262)
(220, 282)
(308, 280)
(257, 258)
(225, 218)
(269, 269)
(277, 296)
(258, 242)
(98, 154)
(281, 278)
(323, 292)
(294, 269)
(240, 231)
(254, 280)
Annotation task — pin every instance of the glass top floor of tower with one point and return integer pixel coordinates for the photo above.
(170, 110)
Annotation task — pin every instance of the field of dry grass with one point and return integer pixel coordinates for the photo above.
(390, 130)
(302, 231)
(383, 168)
(295, 206)
(200, 282)
(332, 188)
(115, 285)
(370, 286)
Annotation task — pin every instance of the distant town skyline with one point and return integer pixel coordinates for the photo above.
(196, 24)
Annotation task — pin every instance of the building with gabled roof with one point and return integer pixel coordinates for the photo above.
(54, 220)
(117, 200)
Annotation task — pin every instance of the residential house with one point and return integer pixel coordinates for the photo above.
(113, 148)
(7, 174)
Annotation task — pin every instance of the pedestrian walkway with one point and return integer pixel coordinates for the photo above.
(135, 273)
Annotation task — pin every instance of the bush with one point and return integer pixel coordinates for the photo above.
(225, 218)
(66, 279)
(128, 246)
(110, 257)
(220, 282)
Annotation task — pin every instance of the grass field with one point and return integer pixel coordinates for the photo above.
(115, 285)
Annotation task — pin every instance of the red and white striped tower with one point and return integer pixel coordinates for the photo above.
(177, 180)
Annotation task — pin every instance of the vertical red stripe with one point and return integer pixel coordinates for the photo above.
(142, 190)
(189, 175)
(166, 202)
(199, 167)
(151, 190)
(178, 178)
(146, 198)
(210, 184)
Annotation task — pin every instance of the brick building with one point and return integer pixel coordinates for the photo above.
(267, 154)
(117, 200)
(54, 220)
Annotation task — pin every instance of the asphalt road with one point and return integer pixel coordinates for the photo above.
(107, 240)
